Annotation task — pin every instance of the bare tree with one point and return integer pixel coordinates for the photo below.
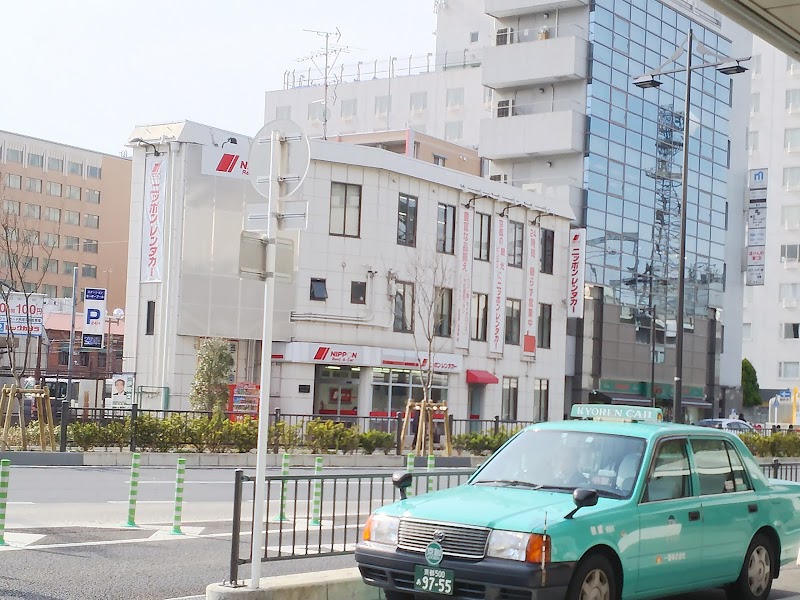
(24, 260)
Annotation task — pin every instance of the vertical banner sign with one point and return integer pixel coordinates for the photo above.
(464, 299)
(153, 219)
(757, 227)
(94, 318)
(577, 260)
(531, 322)
(497, 323)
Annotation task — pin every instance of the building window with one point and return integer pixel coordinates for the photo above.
(791, 178)
(445, 228)
(752, 141)
(51, 291)
(404, 307)
(89, 271)
(74, 168)
(54, 188)
(508, 409)
(13, 156)
(789, 370)
(30, 263)
(84, 358)
(383, 104)
(63, 353)
(10, 207)
(516, 243)
(755, 103)
(513, 313)
(419, 101)
(101, 360)
(345, 219)
(55, 164)
(443, 316)
(283, 112)
(548, 250)
(349, 108)
(50, 266)
(91, 221)
(66, 291)
(358, 292)
(150, 321)
(473, 36)
(33, 211)
(439, 160)
(791, 331)
(90, 246)
(13, 182)
(791, 140)
(790, 216)
(92, 197)
(454, 98)
(316, 111)
(406, 220)
(73, 192)
(52, 214)
(318, 290)
(93, 172)
(68, 267)
(51, 240)
(747, 332)
(34, 185)
(483, 236)
(453, 131)
(35, 160)
(792, 65)
(541, 399)
(545, 325)
(480, 313)
(72, 243)
(792, 100)
(72, 218)
(790, 253)
(31, 237)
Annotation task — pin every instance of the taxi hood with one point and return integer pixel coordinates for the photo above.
(509, 508)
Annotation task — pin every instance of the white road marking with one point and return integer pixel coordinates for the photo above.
(163, 532)
(18, 503)
(144, 502)
(22, 539)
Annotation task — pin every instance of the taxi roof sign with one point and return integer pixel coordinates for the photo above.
(607, 412)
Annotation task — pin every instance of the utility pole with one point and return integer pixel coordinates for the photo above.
(330, 54)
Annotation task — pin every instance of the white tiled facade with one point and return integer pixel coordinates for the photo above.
(772, 311)
(201, 293)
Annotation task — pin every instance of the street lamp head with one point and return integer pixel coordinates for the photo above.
(646, 82)
(731, 68)
(118, 313)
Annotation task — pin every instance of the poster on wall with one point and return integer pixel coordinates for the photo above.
(153, 237)
(531, 319)
(497, 321)
(122, 391)
(464, 295)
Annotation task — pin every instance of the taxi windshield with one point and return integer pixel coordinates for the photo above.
(565, 460)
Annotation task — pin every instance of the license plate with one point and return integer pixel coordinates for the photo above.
(433, 580)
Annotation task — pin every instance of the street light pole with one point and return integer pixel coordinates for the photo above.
(677, 416)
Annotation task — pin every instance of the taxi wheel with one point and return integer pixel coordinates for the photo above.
(755, 579)
(594, 579)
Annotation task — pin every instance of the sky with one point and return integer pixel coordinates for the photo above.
(85, 72)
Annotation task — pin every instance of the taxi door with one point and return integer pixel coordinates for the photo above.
(670, 525)
(730, 506)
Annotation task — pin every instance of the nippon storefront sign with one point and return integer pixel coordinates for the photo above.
(20, 318)
(367, 356)
(497, 319)
(230, 162)
(577, 260)
(530, 320)
(464, 290)
(153, 237)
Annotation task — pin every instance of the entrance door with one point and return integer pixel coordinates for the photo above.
(475, 393)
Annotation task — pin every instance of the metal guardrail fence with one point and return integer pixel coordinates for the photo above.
(313, 515)
(780, 470)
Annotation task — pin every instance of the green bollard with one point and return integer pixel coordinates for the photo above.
(410, 468)
(5, 471)
(284, 488)
(316, 515)
(431, 468)
(134, 490)
(177, 514)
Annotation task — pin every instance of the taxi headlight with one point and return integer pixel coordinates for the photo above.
(382, 529)
(513, 545)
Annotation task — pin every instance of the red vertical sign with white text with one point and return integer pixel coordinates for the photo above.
(531, 314)
(577, 266)
(153, 219)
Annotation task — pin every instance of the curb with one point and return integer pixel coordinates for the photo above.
(321, 585)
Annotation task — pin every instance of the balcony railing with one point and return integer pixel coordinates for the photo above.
(508, 108)
(509, 35)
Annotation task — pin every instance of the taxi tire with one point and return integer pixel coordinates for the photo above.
(593, 562)
(740, 589)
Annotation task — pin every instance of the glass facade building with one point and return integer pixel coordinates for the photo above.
(632, 174)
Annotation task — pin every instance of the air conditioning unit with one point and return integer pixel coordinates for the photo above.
(787, 226)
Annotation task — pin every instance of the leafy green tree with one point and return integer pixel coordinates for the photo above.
(210, 386)
(750, 384)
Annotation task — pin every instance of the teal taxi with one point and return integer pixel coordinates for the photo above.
(613, 504)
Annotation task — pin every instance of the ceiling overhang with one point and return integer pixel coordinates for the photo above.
(775, 21)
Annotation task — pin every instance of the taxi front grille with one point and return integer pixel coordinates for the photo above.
(456, 540)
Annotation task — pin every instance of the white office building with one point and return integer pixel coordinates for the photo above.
(771, 318)
(384, 231)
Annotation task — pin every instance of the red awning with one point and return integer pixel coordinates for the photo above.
(480, 377)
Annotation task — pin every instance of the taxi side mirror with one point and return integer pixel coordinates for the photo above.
(402, 480)
(582, 497)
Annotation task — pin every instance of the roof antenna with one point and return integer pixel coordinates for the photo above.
(330, 53)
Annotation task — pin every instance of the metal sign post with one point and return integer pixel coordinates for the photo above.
(279, 141)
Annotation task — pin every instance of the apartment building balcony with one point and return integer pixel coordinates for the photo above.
(542, 128)
(527, 57)
(500, 9)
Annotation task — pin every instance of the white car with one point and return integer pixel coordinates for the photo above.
(732, 425)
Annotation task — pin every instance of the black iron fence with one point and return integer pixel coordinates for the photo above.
(788, 471)
(314, 515)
